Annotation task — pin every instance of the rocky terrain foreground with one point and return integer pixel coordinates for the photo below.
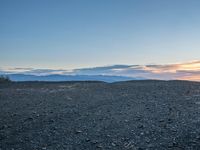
(134, 115)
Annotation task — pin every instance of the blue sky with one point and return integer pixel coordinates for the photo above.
(85, 33)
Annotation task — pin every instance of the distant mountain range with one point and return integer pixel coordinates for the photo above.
(179, 71)
(56, 77)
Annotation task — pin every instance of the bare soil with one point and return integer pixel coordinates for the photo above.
(134, 115)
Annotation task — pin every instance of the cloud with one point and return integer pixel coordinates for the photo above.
(44, 71)
(183, 71)
(105, 70)
(31, 71)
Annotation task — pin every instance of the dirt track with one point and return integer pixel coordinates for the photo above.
(131, 115)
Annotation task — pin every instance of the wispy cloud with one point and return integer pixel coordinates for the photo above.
(183, 71)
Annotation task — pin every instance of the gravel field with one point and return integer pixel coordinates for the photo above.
(133, 115)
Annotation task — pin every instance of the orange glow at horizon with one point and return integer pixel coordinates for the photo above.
(190, 78)
(190, 66)
(195, 65)
(179, 71)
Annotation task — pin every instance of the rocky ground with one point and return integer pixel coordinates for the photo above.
(135, 115)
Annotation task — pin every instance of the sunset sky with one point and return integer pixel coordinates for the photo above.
(151, 38)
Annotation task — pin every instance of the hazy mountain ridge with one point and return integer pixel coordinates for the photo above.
(179, 71)
(57, 77)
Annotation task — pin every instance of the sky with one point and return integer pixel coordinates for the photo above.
(69, 34)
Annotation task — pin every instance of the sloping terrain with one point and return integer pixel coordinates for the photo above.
(133, 115)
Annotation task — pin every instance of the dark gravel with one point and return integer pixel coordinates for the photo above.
(135, 115)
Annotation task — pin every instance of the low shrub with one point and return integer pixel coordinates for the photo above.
(4, 79)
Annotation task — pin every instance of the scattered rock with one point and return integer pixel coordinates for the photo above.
(147, 140)
(78, 131)
(169, 120)
(13, 115)
(126, 120)
(142, 133)
(87, 140)
(141, 126)
(28, 119)
(149, 116)
(108, 135)
(161, 120)
(99, 146)
(113, 144)
(3, 127)
(94, 142)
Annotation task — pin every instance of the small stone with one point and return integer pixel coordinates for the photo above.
(29, 119)
(174, 143)
(126, 139)
(113, 144)
(3, 127)
(173, 130)
(150, 145)
(78, 131)
(13, 114)
(147, 140)
(34, 112)
(141, 126)
(198, 137)
(87, 140)
(55, 128)
(99, 146)
(188, 92)
(51, 120)
(169, 120)
(162, 120)
(142, 133)
(94, 142)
